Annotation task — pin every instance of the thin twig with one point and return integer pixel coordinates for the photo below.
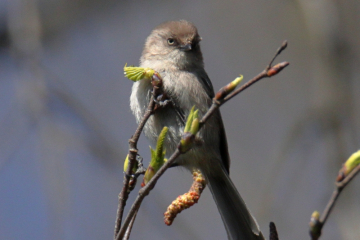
(339, 186)
(269, 71)
(278, 51)
(145, 191)
(132, 158)
(131, 224)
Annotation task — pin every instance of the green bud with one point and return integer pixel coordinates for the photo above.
(137, 73)
(189, 120)
(186, 142)
(126, 164)
(157, 157)
(352, 162)
(224, 91)
(195, 126)
(315, 225)
(234, 83)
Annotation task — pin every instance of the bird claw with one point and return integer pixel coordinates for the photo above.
(141, 170)
(162, 100)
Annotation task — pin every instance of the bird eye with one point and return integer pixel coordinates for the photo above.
(171, 41)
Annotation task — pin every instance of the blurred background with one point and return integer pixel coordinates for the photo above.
(65, 119)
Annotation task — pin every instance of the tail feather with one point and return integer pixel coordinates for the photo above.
(238, 221)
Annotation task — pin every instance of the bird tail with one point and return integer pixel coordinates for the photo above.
(238, 221)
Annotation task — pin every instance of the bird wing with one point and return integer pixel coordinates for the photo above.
(207, 85)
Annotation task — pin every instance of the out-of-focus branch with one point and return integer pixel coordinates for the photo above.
(273, 232)
(350, 169)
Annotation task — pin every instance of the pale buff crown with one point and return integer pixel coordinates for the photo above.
(173, 39)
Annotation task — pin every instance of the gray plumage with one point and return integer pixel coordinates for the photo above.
(173, 50)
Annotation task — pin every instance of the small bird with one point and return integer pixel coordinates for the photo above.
(173, 50)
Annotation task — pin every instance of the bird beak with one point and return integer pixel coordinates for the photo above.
(185, 47)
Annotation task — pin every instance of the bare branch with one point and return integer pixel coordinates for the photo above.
(128, 230)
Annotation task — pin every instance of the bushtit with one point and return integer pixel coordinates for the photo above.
(173, 50)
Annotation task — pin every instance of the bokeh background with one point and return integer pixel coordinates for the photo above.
(65, 118)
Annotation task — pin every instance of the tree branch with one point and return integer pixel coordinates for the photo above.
(124, 194)
(316, 225)
(273, 232)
